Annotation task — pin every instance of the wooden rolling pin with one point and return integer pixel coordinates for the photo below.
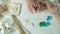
(19, 26)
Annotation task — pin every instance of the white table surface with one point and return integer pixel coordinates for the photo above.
(36, 18)
(54, 28)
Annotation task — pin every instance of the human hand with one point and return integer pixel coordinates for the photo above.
(33, 5)
(51, 9)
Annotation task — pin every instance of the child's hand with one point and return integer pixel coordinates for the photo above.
(29, 5)
(38, 7)
(51, 9)
(33, 5)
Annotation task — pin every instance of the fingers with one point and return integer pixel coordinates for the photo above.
(33, 6)
(51, 9)
(37, 6)
(47, 4)
(29, 5)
